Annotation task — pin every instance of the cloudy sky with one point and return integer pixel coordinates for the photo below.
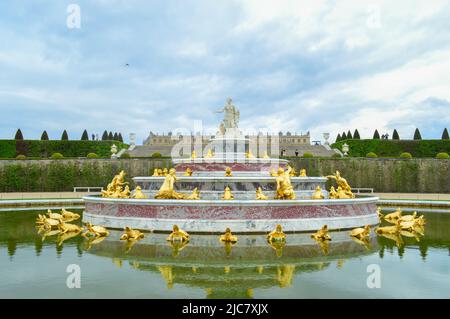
(322, 66)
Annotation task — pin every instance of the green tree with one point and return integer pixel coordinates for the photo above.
(445, 134)
(110, 136)
(19, 135)
(105, 136)
(417, 135)
(338, 138)
(344, 136)
(44, 136)
(64, 136)
(395, 135)
(349, 135)
(85, 136)
(115, 137)
(376, 135)
(120, 137)
(356, 135)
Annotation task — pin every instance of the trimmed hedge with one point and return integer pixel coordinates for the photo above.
(405, 155)
(393, 148)
(307, 155)
(371, 155)
(442, 155)
(38, 148)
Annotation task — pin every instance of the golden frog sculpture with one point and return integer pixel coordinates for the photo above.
(360, 233)
(138, 194)
(260, 195)
(249, 154)
(155, 172)
(69, 216)
(195, 195)
(318, 193)
(131, 234)
(193, 155)
(389, 229)
(188, 172)
(227, 194)
(342, 183)
(394, 217)
(228, 172)
(95, 231)
(284, 186)
(302, 173)
(273, 173)
(228, 237)
(68, 228)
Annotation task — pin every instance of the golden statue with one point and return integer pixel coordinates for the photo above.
(420, 221)
(408, 218)
(284, 186)
(360, 233)
(380, 215)
(194, 155)
(125, 193)
(69, 228)
(195, 194)
(115, 189)
(96, 231)
(167, 188)
(341, 194)
(293, 172)
(228, 237)
(393, 217)
(333, 194)
(302, 173)
(160, 172)
(178, 235)
(321, 234)
(69, 216)
(249, 154)
(265, 155)
(318, 193)
(342, 183)
(389, 229)
(260, 195)
(131, 234)
(276, 235)
(273, 173)
(55, 216)
(227, 194)
(228, 172)
(165, 171)
(155, 172)
(188, 172)
(47, 223)
(138, 194)
(209, 154)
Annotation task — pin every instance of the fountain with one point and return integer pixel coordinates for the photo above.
(230, 187)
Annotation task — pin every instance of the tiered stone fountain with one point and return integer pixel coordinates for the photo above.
(242, 214)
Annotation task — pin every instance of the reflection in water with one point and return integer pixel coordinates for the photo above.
(224, 270)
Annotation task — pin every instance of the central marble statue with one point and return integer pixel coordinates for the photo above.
(231, 116)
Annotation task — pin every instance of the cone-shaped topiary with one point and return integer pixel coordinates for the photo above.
(105, 136)
(120, 138)
(338, 137)
(445, 134)
(44, 136)
(356, 135)
(344, 136)
(85, 136)
(64, 136)
(110, 136)
(349, 135)
(376, 135)
(18, 135)
(417, 135)
(395, 135)
(115, 137)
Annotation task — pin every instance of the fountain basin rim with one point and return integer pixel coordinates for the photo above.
(228, 203)
(230, 159)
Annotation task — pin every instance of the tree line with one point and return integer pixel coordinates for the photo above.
(107, 136)
(376, 135)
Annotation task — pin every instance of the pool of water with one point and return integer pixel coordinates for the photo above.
(36, 267)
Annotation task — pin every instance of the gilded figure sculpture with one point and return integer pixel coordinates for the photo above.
(131, 234)
(342, 183)
(302, 173)
(389, 229)
(249, 154)
(178, 235)
(66, 227)
(393, 217)
(138, 194)
(228, 172)
(227, 195)
(332, 194)
(276, 235)
(273, 173)
(188, 172)
(193, 155)
(195, 194)
(117, 188)
(360, 233)
(228, 237)
(155, 172)
(318, 193)
(209, 154)
(69, 216)
(260, 195)
(321, 234)
(284, 186)
(165, 171)
(166, 190)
